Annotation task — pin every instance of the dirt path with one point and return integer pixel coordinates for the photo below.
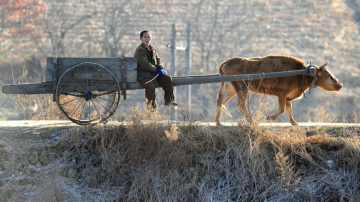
(46, 127)
(24, 134)
(33, 126)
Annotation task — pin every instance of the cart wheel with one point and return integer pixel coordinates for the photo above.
(88, 93)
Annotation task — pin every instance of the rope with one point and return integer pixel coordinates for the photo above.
(312, 85)
(152, 79)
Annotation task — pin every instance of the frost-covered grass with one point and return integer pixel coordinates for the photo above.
(149, 161)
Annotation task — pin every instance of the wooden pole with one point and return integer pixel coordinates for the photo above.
(188, 62)
(173, 64)
(191, 80)
(46, 87)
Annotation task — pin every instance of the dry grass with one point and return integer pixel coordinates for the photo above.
(143, 158)
(37, 107)
(150, 161)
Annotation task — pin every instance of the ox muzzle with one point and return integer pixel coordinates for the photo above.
(325, 70)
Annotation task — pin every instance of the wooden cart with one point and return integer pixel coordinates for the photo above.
(88, 90)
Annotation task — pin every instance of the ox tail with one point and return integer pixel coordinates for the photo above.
(224, 108)
(222, 83)
(223, 86)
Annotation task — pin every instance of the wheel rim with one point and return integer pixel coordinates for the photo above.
(82, 96)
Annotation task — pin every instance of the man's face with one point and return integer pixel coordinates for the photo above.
(146, 39)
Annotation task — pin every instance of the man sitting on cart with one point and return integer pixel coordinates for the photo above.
(149, 66)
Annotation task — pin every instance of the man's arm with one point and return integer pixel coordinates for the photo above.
(142, 59)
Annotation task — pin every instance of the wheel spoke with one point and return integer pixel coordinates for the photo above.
(96, 107)
(69, 101)
(77, 106)
(75, 83)
(105, 99)
(108, 102)
(96, 84)
(89, 112)
(102, 104)
(83, 107)
(87, 81)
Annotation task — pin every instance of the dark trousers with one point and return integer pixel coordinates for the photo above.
(165, 83)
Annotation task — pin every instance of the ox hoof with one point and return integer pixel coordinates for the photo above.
(269, 118)
(294, 124)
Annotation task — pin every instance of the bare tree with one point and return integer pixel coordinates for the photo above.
(115, 25)
(59, 21)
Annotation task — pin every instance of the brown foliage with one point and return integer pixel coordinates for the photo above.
(23, 17)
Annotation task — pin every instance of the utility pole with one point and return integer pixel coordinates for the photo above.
(188, 63)
(173, 65)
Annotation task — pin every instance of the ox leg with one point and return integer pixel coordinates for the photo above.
(226, 92)
(289, 111)
(282, 103)
(242, 92)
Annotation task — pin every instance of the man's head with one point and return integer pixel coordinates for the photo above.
(145, 37)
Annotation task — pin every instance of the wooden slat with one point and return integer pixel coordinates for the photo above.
(114, 65)
(49, 69)
(81, 87)
(35, 88)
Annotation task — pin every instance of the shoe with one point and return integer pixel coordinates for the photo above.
(171, 104)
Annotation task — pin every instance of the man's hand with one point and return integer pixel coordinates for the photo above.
(161, 71)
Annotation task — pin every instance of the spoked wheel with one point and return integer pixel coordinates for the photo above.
(88, 93)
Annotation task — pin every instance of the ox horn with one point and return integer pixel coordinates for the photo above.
(322, 66)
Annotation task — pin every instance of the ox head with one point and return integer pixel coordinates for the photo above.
(326, 80)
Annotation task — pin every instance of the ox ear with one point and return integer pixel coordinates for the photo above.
(323, 66)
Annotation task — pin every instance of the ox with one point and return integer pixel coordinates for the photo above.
(286, 89)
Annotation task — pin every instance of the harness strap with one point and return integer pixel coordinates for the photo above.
(312, 85)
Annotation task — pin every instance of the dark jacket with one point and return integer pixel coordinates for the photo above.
(146, 65)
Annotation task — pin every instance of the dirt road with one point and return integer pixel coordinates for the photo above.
(22, 133)
(36, 127)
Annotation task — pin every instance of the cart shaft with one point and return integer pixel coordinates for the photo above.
(215, 78)
(47, 87)
(26, 88)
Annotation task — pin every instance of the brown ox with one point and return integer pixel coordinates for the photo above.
(286, 89)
